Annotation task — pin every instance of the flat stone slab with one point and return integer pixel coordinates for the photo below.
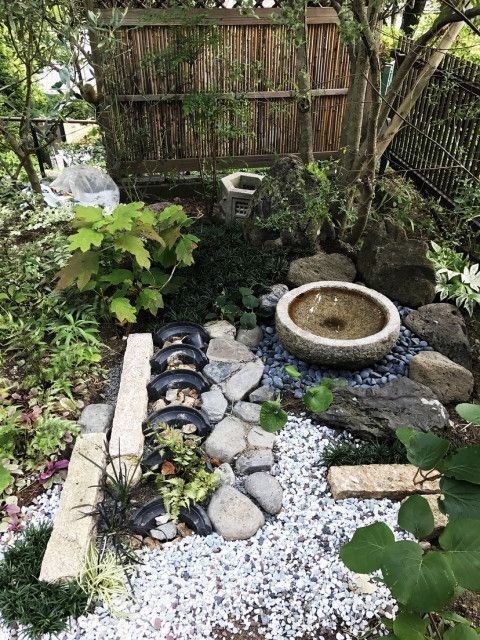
(247, 411)
(127, 438)
(227, 350)
(449, 381)
(393, 481)
(244, 381)
(220, 329)
(72, 529)
(96, 418)
(214, 404)
(227, 440)
(233, 515)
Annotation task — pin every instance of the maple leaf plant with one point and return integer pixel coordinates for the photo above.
(129, 256)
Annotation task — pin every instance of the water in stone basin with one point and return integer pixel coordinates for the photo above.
(337, 314)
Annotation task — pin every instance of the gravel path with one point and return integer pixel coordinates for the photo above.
(286, 582)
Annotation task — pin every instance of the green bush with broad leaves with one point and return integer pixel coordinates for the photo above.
(425, 583)
(239, 308)
(128, 257)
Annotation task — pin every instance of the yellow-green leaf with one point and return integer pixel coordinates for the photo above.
(134, 245)
(150, 299)
(84, 239)
(88, 214)
(80, 267)
(124, 311)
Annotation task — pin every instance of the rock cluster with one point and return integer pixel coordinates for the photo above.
(321, 266)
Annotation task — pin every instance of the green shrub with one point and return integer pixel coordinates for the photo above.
(128, 257)
(40, 607)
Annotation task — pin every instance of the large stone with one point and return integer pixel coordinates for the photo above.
(218, 372)
(440, 520)
(247, 411)
(449, 381)
(233, 515)
(253, 461)
(220, 329)
(244, 381)
(214, 404)
(73, 528)
(96, 418)
(127, 438)
(227, 350)
(251, 338)
(277, 212)
(381, 411)
(228, 439)
(443, 327)
(321, 266)
(266, 491)
(262, 394)
(395, 265)
(258, 438)
(393, 481)
(269, 301)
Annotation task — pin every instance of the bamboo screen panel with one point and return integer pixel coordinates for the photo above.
(250, 61)
(443, 147)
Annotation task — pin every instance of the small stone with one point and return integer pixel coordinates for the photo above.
(159, 404)
(225, 474)
(233, 515)
(165, 532)
(253, 461)
(244, 381)
(262, 394)
(247, 411)
(135, 541)
(183, 530)
(449, 381)
(220, 329)
(251, 338)
(189, 428)
(151, 543)
(258, 438)
(266, 491)
(361, 584)
(172, 395)
(214, 404)
(268, 301)
(227, 440)
(163, 519)
(96, 418)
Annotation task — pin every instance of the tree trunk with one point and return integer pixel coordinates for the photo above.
(24, 157)
(411, 16)
(304, 100)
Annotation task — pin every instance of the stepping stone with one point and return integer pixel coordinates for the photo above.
(244, 381)
(449, 381)
(217, 372)
(253, 461)
(260, 439)
(227, 440)
(220, 329)
(266, 491)
(392, 481)
(214, 404)
(247, 411)
(228, 350)
(233, 515)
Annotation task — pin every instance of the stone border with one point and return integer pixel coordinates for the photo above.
(316, 349)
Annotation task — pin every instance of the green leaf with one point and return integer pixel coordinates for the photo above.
(248, 320)
(462, 631)
(409, 626)
(318, 399)
(421, 582)
(123, 310)
(464, 464)
(6, 478)
(416, 516)
(272, 416)
(80, 267)
(364, 552)
(405, 434)
(117, 276)
(133, 245)
(245, 291)
(84, 239)
(424, 450)
(461, 540)
(469, 412)
(451, 616)
(88, 214)
(290, 369)
(460, 499)
(121, 219)
(184, 248)
(150, 299)
(250, 301)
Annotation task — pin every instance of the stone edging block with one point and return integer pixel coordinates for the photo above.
(72, 529)
(393, 481)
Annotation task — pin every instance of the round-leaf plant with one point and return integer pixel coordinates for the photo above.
(129, 256)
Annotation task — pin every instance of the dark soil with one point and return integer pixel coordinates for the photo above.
(28, 494)
(468, 605)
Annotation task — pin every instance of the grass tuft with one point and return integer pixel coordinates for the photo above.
(369, 452)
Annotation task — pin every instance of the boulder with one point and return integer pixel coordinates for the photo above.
(220, 329)
(396, 266)
(266, 491)
(233, 515)
(244, 381)
(443, 327)
(253, 461)
(321, 266)
(268, 301)
(277, 212)
(449, 381)
(381, 411)
(214, 404)
(251, 338)
(227, 440)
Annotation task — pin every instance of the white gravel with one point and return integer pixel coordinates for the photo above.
(286, 582)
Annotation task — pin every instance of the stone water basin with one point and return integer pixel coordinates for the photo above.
(338, 324)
